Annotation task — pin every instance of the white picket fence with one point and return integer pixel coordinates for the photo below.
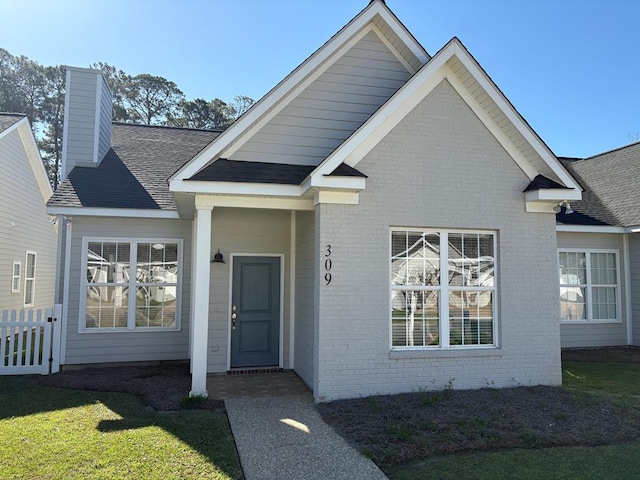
(30, 341)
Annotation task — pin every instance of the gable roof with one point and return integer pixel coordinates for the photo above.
(376, 15)
(612, 193)
(455, 64)
(134, 172)
(19, 122)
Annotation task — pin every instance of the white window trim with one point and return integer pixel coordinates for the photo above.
(443, 307)
(27, 278)
(131, 326)
(589, 285)
(15, 277)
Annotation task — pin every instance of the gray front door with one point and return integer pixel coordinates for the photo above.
(255, 312)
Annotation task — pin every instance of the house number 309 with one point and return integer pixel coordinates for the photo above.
(327, 265)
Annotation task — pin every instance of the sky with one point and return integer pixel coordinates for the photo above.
(570, 67)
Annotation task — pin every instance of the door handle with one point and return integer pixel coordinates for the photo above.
(234, 316)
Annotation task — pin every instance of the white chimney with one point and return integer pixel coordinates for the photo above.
(87, 119)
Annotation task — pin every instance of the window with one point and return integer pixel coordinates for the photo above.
(428, 310)
(589, 289)
(30, 279)
(131, 284)
(16, 271)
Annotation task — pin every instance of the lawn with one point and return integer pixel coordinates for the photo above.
(53, 433)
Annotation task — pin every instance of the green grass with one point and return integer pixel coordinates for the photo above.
(49, 433)
(584, 463)
(615, 382)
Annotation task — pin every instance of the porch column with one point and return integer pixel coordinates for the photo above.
(200, 308)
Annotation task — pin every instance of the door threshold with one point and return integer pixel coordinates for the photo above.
(246, 370)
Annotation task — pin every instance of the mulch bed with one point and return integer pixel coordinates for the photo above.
(163, 386)
(395, 429)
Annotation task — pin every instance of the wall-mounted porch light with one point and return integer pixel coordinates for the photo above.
(217, 258)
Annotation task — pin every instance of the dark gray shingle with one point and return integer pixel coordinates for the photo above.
(8, 119)
(611, 182)
(135, 172)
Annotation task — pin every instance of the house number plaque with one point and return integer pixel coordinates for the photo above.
(328, 263)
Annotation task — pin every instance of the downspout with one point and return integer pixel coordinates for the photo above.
(627, 287)
(68, 225)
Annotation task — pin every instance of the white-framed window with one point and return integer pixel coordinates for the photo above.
(131, 284)
(431, 311)
(16, 273)
(589, 285)
(30, 279)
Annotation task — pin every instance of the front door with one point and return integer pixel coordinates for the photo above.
(255, 312)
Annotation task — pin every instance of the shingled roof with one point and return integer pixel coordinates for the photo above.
(135, 171)
(8, 119)
(611, 183)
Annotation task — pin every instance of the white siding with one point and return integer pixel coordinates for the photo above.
(305, 344)
(24, 225)
(126, 346)
(634, 268)
(243, 231)
(596, 334)
(331, 108)
(438, 168)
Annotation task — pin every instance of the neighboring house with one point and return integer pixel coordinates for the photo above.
(381, 221)
(599, 252)
(28, 240)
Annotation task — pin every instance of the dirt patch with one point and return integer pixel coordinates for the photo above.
(162, 387)
(395, 429)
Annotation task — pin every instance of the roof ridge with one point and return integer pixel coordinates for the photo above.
(612, 150)
(14, 114)
(168, 127)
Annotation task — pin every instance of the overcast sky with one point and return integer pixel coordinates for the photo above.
(570, 67)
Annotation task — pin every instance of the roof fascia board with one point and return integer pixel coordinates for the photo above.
(552, 194)
(231, 139)
(112, 212)
(589, 229)
(330, 196)
(235, 188)
(255, 202)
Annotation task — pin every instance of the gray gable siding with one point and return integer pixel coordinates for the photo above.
(24, 225)
(596, 334)
(312, 125)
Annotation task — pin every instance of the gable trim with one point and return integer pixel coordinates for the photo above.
(32, 153)
(275, 100)
(416, 89)
(112, 212)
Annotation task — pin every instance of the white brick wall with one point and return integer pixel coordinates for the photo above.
(439, 168)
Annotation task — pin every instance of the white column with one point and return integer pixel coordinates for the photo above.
(200, 307)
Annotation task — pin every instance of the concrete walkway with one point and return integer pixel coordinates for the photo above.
(284, 438)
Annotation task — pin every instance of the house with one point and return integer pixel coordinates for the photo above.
(599, 252)
(28, 241)
(381, 221)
